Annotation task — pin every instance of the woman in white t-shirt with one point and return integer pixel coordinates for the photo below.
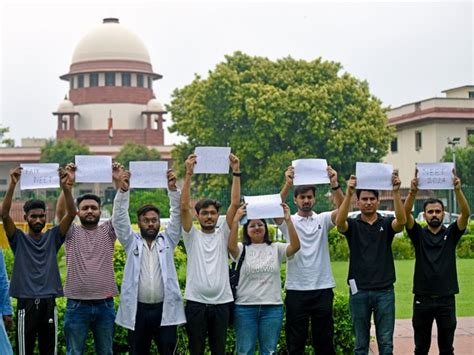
(258, 312)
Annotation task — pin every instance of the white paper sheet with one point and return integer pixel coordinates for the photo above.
(310, 171)
(374, 176)
(94, 168)
(39, 176)
(435, 176)
(212, 160)
(148, 174)
(264, 206)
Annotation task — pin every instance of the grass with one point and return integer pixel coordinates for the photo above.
(403, 286)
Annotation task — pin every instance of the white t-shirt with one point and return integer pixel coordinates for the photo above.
(310, 267)
(259, 281)
(207, 272)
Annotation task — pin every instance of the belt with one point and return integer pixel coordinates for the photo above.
(150, 305)
(103, 300)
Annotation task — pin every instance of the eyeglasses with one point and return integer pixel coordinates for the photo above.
(258, 225)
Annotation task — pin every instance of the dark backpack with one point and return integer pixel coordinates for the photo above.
(234, 276)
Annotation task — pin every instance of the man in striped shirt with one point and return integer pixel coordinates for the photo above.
(90, 282)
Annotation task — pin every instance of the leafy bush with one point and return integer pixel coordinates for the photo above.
(402, 248)
(465, 248)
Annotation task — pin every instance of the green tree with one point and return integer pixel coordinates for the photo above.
(271, 112)
(136, 152)
(157, 197)
(8, 142)
(464, 161)
(63, 151)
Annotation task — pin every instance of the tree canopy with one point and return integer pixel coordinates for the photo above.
(464, 161)
(271, 112)
(63, 151)
(136, 152)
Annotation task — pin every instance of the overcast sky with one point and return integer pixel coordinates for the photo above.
(407, 51)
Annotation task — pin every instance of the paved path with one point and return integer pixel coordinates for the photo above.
(403, 338)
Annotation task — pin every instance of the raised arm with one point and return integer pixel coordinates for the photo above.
(462, 202)
(234, 231)
(343, 210)
(61, 208)
(173, 228)
(410, 200)
(66, 191)
(294, 245)
(120, 216)
(336, 191)
(186, 215)
(235, 192)
(8, 223)
(400, 219)
(289, 176)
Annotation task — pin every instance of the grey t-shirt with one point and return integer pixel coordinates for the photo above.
(259, 281)
(35, 269)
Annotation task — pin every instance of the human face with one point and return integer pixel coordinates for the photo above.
(305, 201)
(89, 213)
(149, 224)
(207, 218)
(434, 214)
(36, 219)
(256, 231)
(368, 203)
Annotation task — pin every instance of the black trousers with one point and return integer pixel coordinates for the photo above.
(303, 306)
(36, 318)
(148, 327)
(209, 320)
(425, 310)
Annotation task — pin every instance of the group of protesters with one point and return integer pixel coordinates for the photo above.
(151, 304)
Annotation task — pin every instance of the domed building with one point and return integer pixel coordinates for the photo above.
(111, 99)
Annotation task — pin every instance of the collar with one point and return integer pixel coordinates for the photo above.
(440, 232)
(300, 218)
(379, 218)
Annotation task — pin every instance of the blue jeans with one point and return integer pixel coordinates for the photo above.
(382, 304)
(98, 316)
(262, 322)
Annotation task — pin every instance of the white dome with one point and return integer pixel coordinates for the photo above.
(110, 41)
(154, 106)
(66, 106)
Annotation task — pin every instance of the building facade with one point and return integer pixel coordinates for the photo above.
(424, 128)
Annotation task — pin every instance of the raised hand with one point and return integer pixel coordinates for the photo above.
(289, 175)
(15, 175)
(332, 174)
(241, 211)
(395, 181)
(456, 181)
(189, 164)
(351, 185)
(286, 211)
(171, 177)
(234, 163)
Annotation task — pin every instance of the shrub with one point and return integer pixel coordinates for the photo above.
(402, 248)
(465, 248)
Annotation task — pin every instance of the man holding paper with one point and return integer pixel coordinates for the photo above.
(208, 292)
(90, 280)
(35, 279)
(309, 280)
(435, 281)
(371, 267)
(151, 305)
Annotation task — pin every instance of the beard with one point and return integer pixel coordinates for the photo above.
(208, 228)
(306, 208)
(37, 227)
(148, 234)
(89, 222)
(434, 222)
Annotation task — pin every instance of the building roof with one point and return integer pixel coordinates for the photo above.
(457, 88)
(110, 41)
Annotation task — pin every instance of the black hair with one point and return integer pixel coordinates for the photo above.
(375, 192)
(431, 201)
(147, 208)
(33, 204)
(245, 236)
(87, 197)
(303, 189)
(206, 202)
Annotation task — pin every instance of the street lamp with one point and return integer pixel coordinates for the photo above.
(453, 143)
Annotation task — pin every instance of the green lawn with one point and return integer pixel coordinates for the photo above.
(403, 286)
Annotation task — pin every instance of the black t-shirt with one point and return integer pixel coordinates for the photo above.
(435, 264)
(35, 269)
(371, 259)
